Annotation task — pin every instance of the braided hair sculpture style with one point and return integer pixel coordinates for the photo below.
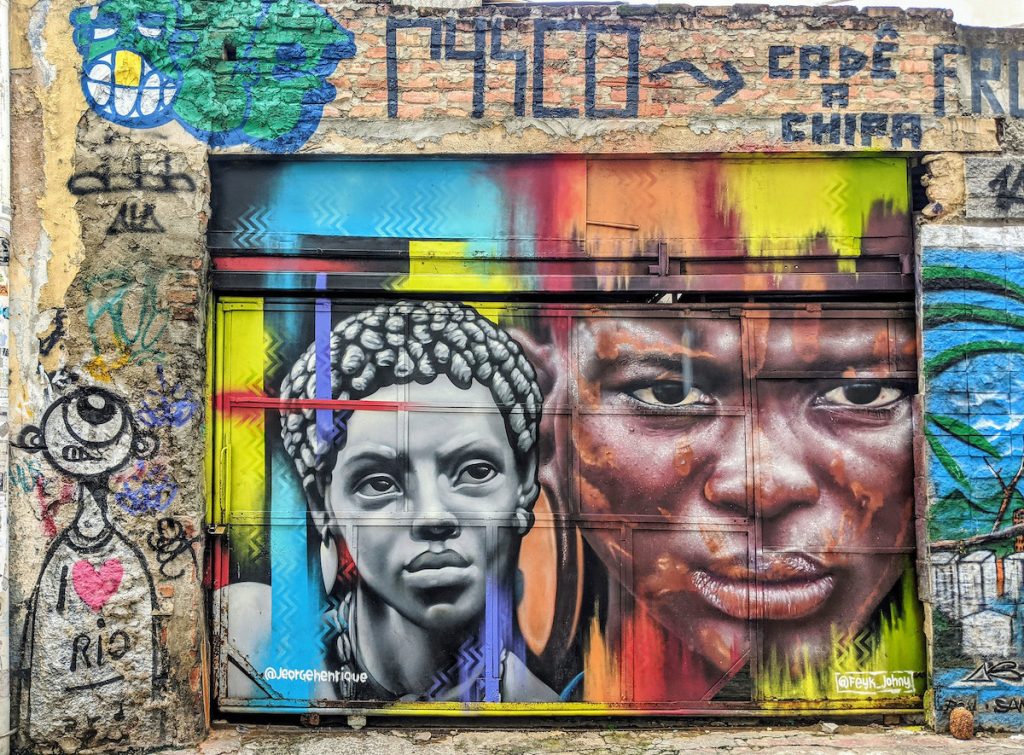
(411, 342)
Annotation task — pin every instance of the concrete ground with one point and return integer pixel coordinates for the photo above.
(610, 738)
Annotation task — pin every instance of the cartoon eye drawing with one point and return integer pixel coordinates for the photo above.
(150, 31)
(94, 417)
(102, 32)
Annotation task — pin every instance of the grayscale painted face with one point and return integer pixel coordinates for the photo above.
(420, 487)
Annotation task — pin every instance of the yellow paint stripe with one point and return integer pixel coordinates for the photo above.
(241, 451)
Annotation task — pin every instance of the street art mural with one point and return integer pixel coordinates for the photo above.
(204, 66)
(601, 507)
(687, 547)
(974, 355)
(91, 633)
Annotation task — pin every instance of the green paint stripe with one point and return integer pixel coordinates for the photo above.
(946, 359)
(947, 278)
(944, 314)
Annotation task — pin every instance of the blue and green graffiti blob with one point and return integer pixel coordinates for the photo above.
(230, 72)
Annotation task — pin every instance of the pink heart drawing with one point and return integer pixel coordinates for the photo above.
(94, 586)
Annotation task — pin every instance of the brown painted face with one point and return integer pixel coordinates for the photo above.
(766, 466)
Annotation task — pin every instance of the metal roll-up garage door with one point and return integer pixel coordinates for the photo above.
(564, 436)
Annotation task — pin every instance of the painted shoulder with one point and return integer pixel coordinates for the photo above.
(520, 685)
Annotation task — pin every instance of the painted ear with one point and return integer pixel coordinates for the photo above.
(145, 445)
(30, 439)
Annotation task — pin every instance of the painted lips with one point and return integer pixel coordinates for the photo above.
(781, 587)
(431, 560)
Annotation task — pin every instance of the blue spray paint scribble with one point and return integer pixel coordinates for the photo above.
(172, 405)
(147, 490)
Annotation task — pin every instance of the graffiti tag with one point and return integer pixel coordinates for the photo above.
(136, 179)
(147, 489)
(169, 406)
(134, 66)
(1008, 191)
(169, 543)
(125, 322)
(989, 673)
(874, 682)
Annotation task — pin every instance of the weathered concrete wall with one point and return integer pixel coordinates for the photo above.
(114, 109)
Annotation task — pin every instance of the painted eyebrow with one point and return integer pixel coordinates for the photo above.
(372, 454)
(703, 365)
(475, 443)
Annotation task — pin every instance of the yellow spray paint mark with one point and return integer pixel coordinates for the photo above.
(240, 445)
(99, 368)
(127, 68)
(451, 267)
(785, 207)
(897, 645)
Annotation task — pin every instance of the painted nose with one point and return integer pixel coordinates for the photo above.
(784, 475)
(434, 520)
(726, 486)
(436, 526)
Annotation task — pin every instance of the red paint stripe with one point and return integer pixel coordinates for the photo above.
(287, 264)
(236, 402)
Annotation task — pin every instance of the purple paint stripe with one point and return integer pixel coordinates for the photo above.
(322, 339)
(492, 649)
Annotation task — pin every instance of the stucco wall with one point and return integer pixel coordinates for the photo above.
(108, 262)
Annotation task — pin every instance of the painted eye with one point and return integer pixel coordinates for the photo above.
(150, 31)
(94, 415)
(871, 395)
(476, 473)
(671, 393)
(377, 486)
(102, 32)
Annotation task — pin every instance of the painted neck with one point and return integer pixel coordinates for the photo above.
(91, 520)
(400, 655)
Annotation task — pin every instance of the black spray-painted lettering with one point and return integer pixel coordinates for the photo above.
(941, 71)
(632, 106)
(775, 69)
(835, 95)
(450, 50)
(900, 128)
(519, 57)
(135, 217)
(815, 59)
(881, 63)
(478, 55)
(851, 61)
(1008, 705)
(105, 181)
(1009, 191)
(727, 87)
